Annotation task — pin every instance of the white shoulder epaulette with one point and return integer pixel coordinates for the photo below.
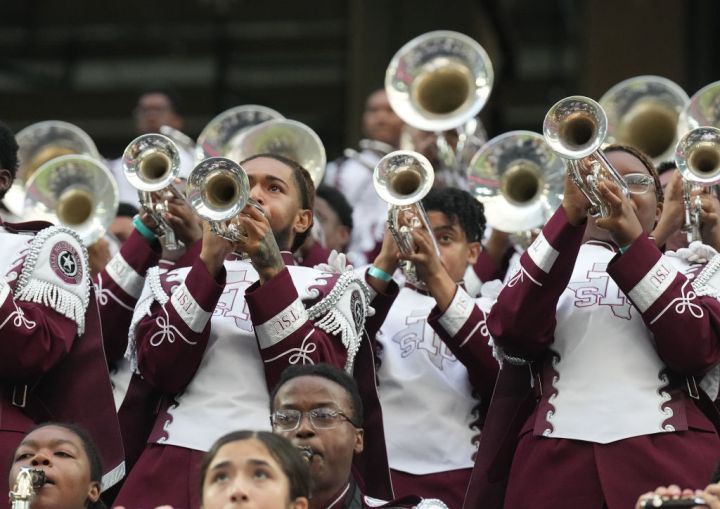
(708, 281)
(151, 292)
(343, 311)
(56, 274)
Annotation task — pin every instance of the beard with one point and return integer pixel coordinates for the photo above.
(282, 237)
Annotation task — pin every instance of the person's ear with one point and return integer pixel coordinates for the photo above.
(298, 503)
(473, 252)
(303, 221)
(5, 179)
(359, 441)
(94, 492)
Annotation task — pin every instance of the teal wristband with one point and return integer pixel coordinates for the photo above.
(144, 230)
(623, 249)
(379, 273)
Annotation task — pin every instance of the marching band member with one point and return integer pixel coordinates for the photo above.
(352, 175)
(51, 358)
(319, 409)
(616, 340)
(218, 333)
(436, 368)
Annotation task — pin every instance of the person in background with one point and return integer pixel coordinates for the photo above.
(332, 227)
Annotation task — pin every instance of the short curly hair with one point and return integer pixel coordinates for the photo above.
(460, 206)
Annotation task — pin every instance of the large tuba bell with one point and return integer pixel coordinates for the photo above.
(402, 179)
(698, 159)
(575, 128)
(643, 112)
(77, 191)
(440, 81)
(519, 180)
(151, 163)
(288, 138)
(218, 136)
(218, 189)
(39, 143)
(703, 109)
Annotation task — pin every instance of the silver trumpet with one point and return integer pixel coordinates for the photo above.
(575, 128)
(77, 191)
(697, 157)
(440, 81)
(284, 137)
(218, 189)
(402, 179)
(27, 482)
(519, 180)
(151, 164)
(643, 112)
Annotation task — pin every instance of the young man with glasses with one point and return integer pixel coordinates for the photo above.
(618, 337)
(319, 409)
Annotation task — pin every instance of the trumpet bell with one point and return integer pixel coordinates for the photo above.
(439, 80)
(284, 137)
(218, 189)
(403, 177)
(217, 138)
(78, 192)
(643, 112)
(151, 162)
(575, 127)
(698, 156)
(519, 180)
(703, 109)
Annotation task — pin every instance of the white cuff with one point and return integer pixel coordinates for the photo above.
(282, 325)
(125, 276)
(189, 310)
(4, 290)
(457, 313)
(542, 253)
(653, 285)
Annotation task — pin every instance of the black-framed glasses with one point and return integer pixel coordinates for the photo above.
(639, 183)
(288, 419)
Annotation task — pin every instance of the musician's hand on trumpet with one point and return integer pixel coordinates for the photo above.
(622, 222)
(183, 221)
(673, 214)
(259, 242)
(387, 260)
(575, 204)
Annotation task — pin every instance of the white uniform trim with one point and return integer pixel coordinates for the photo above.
(457, 313)
(113, 477)
(542, 253)
(653, 284)
(4, 290)
(125, 276)
(189, 310)
(282, 325)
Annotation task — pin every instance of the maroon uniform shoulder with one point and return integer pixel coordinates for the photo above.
(26, 227)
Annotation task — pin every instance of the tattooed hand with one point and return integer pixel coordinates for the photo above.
(259, 243)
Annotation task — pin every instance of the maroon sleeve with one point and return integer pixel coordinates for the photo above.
(118, 288)
(284, 332)
(686, 326)
(172, 340)
(381, 303)
(317, 255)
(486, 268)
(464, 330)
(522, 321)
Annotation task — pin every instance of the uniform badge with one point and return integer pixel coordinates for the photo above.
(65, 262)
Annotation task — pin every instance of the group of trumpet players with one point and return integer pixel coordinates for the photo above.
(586, 373)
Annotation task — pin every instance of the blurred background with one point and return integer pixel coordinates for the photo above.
(317, 60)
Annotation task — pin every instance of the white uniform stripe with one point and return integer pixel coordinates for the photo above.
(542, 253)
(188, 309)
(653, 284)
(125, 276)
(457, 313)
(282, 325)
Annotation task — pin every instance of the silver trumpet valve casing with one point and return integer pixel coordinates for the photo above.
(402, 179)
(575, 129)
(151, 164)
(27, 481)
(697, 157)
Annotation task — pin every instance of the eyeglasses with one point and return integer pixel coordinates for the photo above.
(320, 418)
(639, 183)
